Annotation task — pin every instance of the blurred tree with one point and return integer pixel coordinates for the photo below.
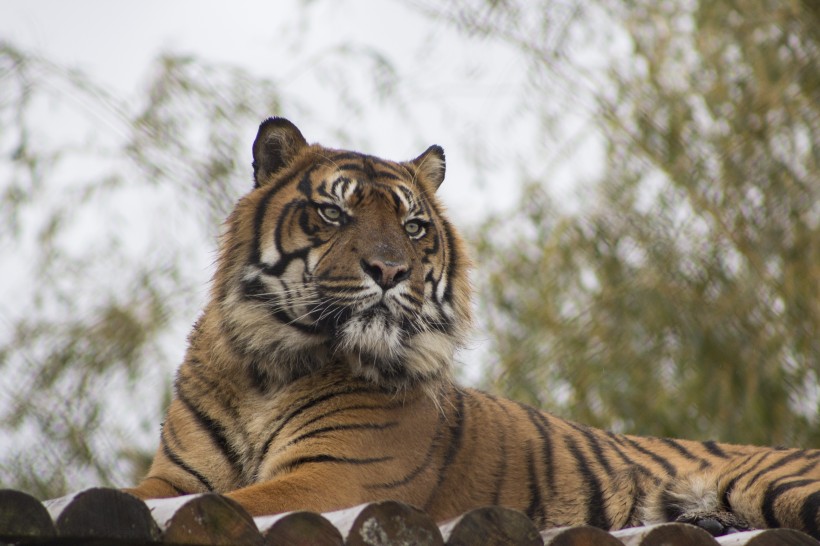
(683, 297)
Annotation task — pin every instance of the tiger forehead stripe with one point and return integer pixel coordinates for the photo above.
(407, 197)
(343, 188)
(371, 167)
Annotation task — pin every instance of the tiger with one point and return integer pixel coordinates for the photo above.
(320, 376)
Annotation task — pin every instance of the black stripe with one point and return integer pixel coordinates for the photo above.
(391, 406)
(535, 509)
(808, 514)
(456, 433)
(291, 465)
(542, 425)
(500, 471)
(637, 500)
(207, 385)
(351, 167)
(425, 463)
(215, 430)
(685, 452)
(775, 465)
(450, 259)
(306, 406)
(397, 202)
(712, 447)
(259, 376)
(397, 169)
(724, 498)
(806, 468)
(453, 446)
(384, 174)
(337, 428)
(594, 445)
(771, 496)
(176, 489)
(344, 155)
(262, 207)
(596, 510)
(174, 458)
(634, 465)
(670, 469)
(740, 472)
(670, 504)
(328, 249)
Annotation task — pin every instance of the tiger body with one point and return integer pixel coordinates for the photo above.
(319, 376)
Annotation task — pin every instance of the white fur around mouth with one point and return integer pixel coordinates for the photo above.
(373, 331)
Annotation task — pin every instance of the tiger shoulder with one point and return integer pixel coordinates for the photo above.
(319, 375)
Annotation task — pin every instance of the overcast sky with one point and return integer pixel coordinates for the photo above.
(115, 42)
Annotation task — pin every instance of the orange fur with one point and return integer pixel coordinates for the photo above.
(320, 375)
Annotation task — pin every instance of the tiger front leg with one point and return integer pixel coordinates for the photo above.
(321, 489)
(694, 499)
(154, 487)
(765, 489)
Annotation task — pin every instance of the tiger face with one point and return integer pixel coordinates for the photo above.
(340, 257)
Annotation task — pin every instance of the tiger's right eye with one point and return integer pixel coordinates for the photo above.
(331, 213)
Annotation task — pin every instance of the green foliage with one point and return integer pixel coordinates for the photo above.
(682, 299)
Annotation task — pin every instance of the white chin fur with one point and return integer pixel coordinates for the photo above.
(375, 335)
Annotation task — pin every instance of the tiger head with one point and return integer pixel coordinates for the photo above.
(340, 258)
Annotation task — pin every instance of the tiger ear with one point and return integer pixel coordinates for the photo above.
(430, 165)
(277, 143)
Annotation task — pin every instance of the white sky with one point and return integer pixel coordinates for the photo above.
(115, 42)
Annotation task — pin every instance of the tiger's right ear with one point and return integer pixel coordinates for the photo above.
(277, 143)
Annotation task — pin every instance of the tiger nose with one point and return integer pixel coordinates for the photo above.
(387, 274)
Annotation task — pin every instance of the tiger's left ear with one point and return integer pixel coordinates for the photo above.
(430, 165)
(277, 143)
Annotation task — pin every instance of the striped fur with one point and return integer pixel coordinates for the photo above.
(319, 376)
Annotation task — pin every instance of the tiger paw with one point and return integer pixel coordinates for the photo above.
(716, 524)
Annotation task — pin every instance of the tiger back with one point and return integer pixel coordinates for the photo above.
(319, 376)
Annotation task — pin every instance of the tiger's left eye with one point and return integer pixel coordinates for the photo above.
(414, 228)
(331, 213)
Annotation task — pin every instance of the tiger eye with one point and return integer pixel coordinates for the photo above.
(331, 212)
(412, 228)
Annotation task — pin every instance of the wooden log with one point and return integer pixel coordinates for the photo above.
(491, 526)
(204, 519)
(582, 535)
(385, 523)
(769, 537)
(23, 518)
(665, 534)
(298, 529)
(101, 513)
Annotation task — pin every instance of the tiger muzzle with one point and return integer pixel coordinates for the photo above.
(386, 273)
